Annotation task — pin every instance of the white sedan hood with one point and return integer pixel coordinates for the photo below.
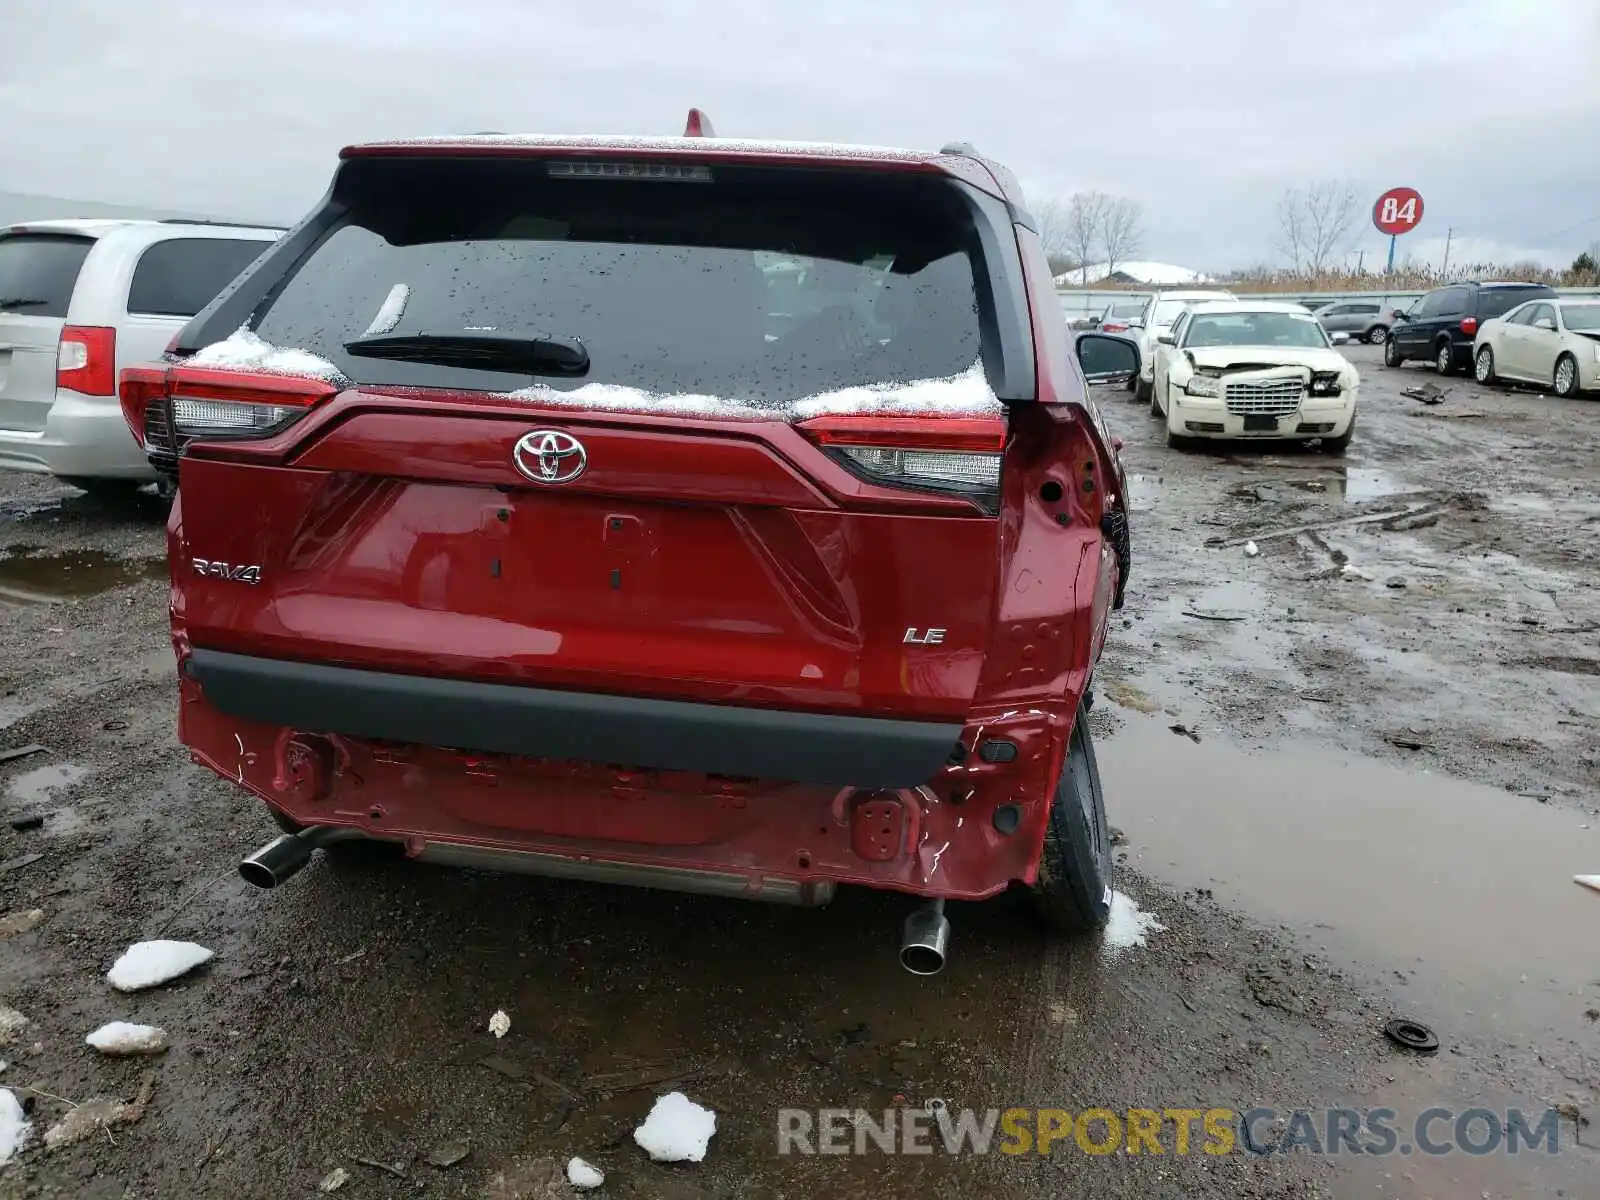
(1222, 357)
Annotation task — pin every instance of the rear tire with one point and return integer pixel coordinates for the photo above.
(1391, 352)
(1377, 335)
(1145, 391)
(1565, 381)
(1072, 892)
(1444, 358)
(1483, 367)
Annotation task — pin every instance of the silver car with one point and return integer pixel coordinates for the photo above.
(1363, 320)
(80, 300)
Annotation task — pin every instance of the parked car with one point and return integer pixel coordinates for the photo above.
(1119, 315)
(1440, 327)
(1162, 310)
(1363, 319)
(506, 537)
(1254, 369)
(1554, 343)
(78, 300)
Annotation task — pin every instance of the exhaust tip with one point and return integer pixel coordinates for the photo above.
(922, 960)
(276, 862)
(925, 940)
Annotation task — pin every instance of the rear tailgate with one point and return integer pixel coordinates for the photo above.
(38, 272)
(776, 485)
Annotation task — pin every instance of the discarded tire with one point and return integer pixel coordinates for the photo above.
(1412, 1036)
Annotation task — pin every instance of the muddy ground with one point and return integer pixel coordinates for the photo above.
(1395, 777)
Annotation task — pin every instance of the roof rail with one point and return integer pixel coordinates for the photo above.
(219, 224)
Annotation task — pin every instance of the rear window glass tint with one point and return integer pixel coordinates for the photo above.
(1492, 302)
(179, 277)
(38, 273)
(762, 285)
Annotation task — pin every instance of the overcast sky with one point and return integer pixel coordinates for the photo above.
(1203, 112)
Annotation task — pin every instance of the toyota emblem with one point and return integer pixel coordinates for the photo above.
(550, 456)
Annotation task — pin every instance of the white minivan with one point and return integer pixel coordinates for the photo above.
(80, 300)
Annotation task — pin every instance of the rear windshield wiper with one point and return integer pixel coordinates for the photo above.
(20, 302)
(532, 353)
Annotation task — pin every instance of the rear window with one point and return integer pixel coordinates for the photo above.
(38, 272)
(179, 277)
(1493, 302)
(750, 284)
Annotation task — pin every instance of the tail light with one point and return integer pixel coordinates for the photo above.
(954, 455)
(168, 407)
(1113, 327)
(86, 360)
(1469, 326)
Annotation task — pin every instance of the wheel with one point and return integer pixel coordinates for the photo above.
(1566, 377)
(1444, 358)
(110, 491)
(1483, 366)
(1391, 352)
(1336, 446)
(1145, 391)
(1377, 335)
(1072, 893)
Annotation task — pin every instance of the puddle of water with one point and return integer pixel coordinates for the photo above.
(1352, 485)
(31, 576)
(39, 783)
(1466, 889)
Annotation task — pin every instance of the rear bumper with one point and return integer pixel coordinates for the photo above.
(573, 799)
(84, 436)
(501, 718)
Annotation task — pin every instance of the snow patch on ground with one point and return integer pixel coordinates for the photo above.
(14, 1127)
(1130, 926)
(119, 1037)
(677, 1129)
(583, 1176)
(245, 351)
(146, 964)
(12, 1023)
(500, 1023)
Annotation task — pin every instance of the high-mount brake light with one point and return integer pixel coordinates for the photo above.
(956, 455)
(171, 406)
(662, 172)
(86, 360)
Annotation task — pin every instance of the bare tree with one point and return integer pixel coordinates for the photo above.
(1121, 230)
(1083, 220)
(1314, 223)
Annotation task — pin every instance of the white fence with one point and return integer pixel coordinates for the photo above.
(1080, 304)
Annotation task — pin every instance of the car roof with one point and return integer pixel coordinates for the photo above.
(1253, 306)
(956, 159)
(1179, 294)
(97, 227)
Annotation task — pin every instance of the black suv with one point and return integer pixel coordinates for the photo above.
(1439, 327)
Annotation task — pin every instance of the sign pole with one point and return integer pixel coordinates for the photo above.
(1389, 270)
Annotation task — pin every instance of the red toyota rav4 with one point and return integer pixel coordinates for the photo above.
(721, 516)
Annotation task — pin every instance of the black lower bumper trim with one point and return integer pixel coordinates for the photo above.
(589, 727)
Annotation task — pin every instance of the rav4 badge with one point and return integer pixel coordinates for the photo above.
(233, 572)
(549, 456)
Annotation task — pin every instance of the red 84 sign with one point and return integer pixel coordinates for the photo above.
(1399, 210)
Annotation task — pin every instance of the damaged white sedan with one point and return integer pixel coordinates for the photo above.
(1254, 369)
